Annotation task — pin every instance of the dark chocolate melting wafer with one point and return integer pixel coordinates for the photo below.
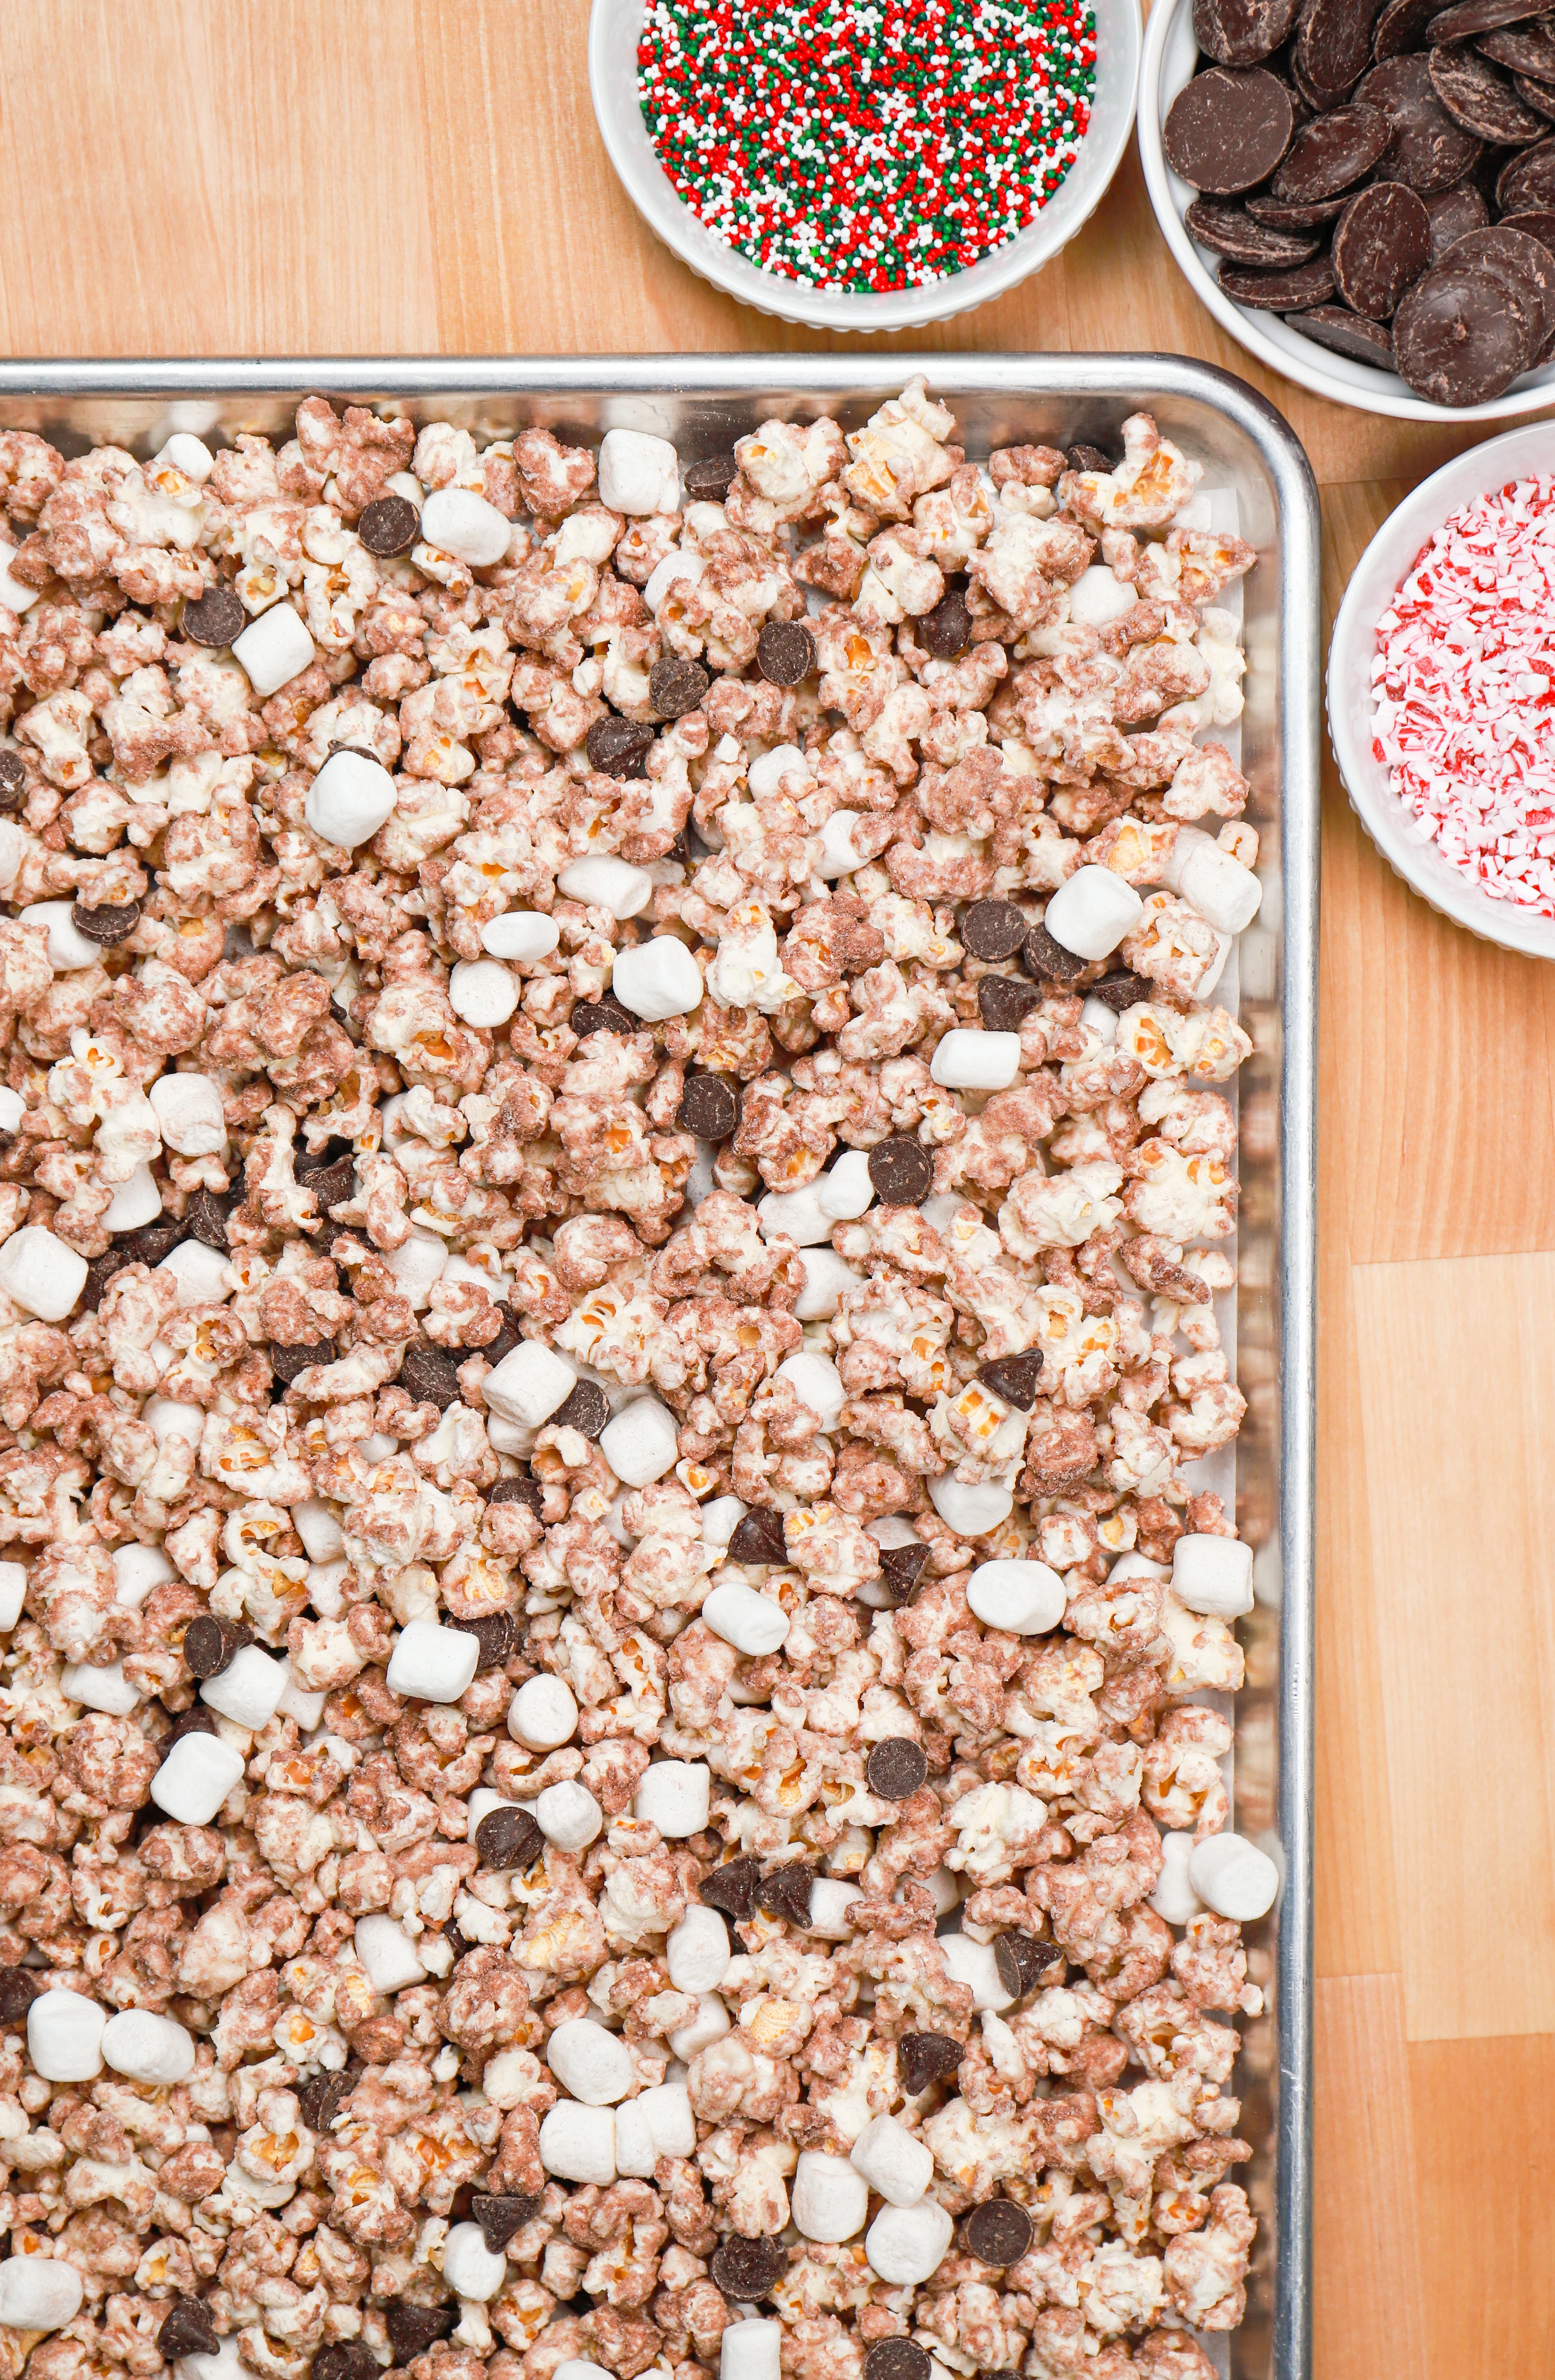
(1527, 182)
(1539, 97)
(1473, 16)
(1429, 151)
(1227, 132)
(1523, 49)
(1332, 47)
(1476, 96)
(1243, 32)
(1524, 260)
(1331, 154)
(1279, 293)
(1345, 334)
(1231, 231)
(1279, 217)
(1456, 341)
(1381, 244)
(1402, 27)
(1452, 212)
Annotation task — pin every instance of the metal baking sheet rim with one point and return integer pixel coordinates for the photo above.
(132, 402)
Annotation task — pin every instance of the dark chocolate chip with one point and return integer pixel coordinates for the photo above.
(1381, 244)
(998, 2232)
(199, 1719)
(897, 2359)
(1022, 1963)
(501, 2219)
(895, 1768)
(148, 1244)
(412, 2329)
(100, 1272)
(1527, 184)
(215, 618)
(1089, 458)
(1014, 1378)
(13, 781)
(1227, 230)
(584, 1409)
(287, 1362)
(322, 2096)
(187, 2329)
(527, 1492)
(1472, 16)
(708, 1108)
(786, 1892)
(508, 1837)
(900, 1566)
(1345, 333)
(114, 922)
(733, 1888)
(677, 684)
(1265, 209)
(344, 2359)
(901, 1170)
(496, 1635)
(994, 929)
(389, 525)
(709, 482)
(1429, 151)
(1456, 338)
(507, 1337)
(925, 2057)
(619, 748)
(1331, 154)
(1005, 1002)
(1227, 132)
(1122, 990)
(946, 628)
(1044, 958)
(745, 2270)
(428, 1376)
(332, 1184)
(212, 1645)
(1243, 32)
(785, 652)
(759, 1537)
(1481, 98)
(1278, 293)
(606, 1015)
(18, 1989)
(1400, 27)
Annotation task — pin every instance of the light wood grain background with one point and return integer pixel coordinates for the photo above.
(196, 177)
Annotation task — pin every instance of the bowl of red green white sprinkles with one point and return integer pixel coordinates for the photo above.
(865, 164)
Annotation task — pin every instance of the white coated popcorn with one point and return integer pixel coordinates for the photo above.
(542, 1714)
(906, 2244)
(1092, 911)
(196, 1777)
(68, 947)
(482, 991)
(459, 522)
(417, 1263)
(830, 2197)
(248, 1690)
(529, 1383)
(1025, 1597)
(657, 979)
(38, 2293)
(672, 1796)
(970, 1060)
(349, 799)
(751, 1622)
(590, 2063)
(606, 883)
(147, 2047)
(64, 2035)
(1234, 1877)
(1097, 598)
(388, 1954)
(568, 1816)
(578, 2143)
(641, 1442)
(893, 2161)
(273, 650)
(1212, 1574)
(638, 473)
(43, 1276)
(431, 1664)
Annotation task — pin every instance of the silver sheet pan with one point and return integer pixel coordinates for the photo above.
(999, 399)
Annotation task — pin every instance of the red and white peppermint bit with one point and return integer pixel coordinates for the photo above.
(1463, 681)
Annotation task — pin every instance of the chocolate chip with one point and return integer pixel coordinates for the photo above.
(215, 618)
(1528, 182)
(1227, 132)
(496, 1635)
(287, 1362)
(606, 1015)
(709, 482)
(345, 2359)
(1046, 959)
(187, 2329)
(507, 1337)
(733, 1888)
(1014, 1378)
(1123, 990)
(18, 1989)
(945, 629)
(994, 929)
(895, 1768)
(508, 1837)
(708, 1108)
(1022, 1963)
(13, 781)
(1456, 340)
(148, 1244)
(1402, 27)
(389, 525)
(745, 2270)
(1089, 458)
(527, 1492)
(586, 1409)
(1227, 230)
(1381, 245)
(900, 1171)
(897, 2359)
(1243, 32)
(501, 2219)
(1277, 293)
(925, 2057)
(100, 1272)
(114, 922)
(332, 1184)
(412, 2329)
(199, 1719)
(1005, 1002)
(619, 748)
(1472, 16)
(998, 2232)
(759, 1537)
(677, 684)
(428, 1376)
(322, 2096)
(900, 1566)
(785, 652)
(1429, 151)
(1331, 154)
(1481, 98)
(786, 1892)
(1345, 333)
(212, 1645)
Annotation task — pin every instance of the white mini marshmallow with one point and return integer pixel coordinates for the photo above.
(970, 1507)
(751, 2350)
(710, 2024)
(605, 883)
(13, 1107)
(319, 1529)
(590, 2063)
(134, 1202)
(1214, 1575)
(196, 1777)
(840, 854)
(65, 2036)
(677, 568)
(188, 1107)
(769, 771)
(305, 1703)
(522, 934)
(200, 1273)
(831, 1901)
(638, 473)
(529, 1383)
(578, 2144)
(846, 1191)
(829, 2197)
(148, 2048)
(750, 1623)
(43, 1275)
(673, 1796)
(905, 2244)
(1092, 911)
(1096, 1015)
(642, 1443)
(656, 2123)
(699, 1950)
(431, 1664)
(137, 1569)
(104, 1688)
(186, 452)
(417, 1263)
(657, 979)
(578, 2367)
(543, 1713)
(13, 1591)
(893, 2161)
(273, 649)
(826, 1276)
(388, 1955)
(470, 2269)
(457, 521)
(1212, 881)
(68, 947)
(974, 1963)
(349, 799)
(248, 1690)
(1174, 1897)
(1026, 1598)
(1234, 1878)
(17, 596)
(483, 992)
(168, 1418)
(797, 1215)
(969, 1061)
(817, 1383)
(721, 1517)
(568, 1816)
(1097, 598)
(38, 2293)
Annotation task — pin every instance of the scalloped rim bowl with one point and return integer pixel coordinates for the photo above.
(1386, 561)
(613, 29)
(1170, 56)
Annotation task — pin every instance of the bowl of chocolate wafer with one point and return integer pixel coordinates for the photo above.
(1364, 200)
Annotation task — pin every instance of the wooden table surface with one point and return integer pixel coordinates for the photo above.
(424, 175)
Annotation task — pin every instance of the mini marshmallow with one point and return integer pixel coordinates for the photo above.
(969, 1061)
(970, 1508)
(38, 2293)
(1234, 1878)
(13, 1592)
(590, 2063)
(104, 1688)
(817, 1383)
(826, 1276)
(1097, 598)
(721, 1517)
(41, 1273)
(839, 852)
(196, 1777)
(68, 947)
(893, 2161)
(673, 1796)
(522, 934)
(65, 2036)
(578, 2144)
(1026, 1598)
(248, 1690)
(750, 1623)
(544, 1712)
(710, 2024)
(1212, 881)
(578, 2367)
(137, 1569)
(657, 979)
(483, 992)
(148, 2048)
(200, 1273)
(974, 1963)
(769, 771)
(831, 1903)
(905, 2244)
(845, 1192)
(416, 1264)
(431, 1664)
(470, 2269)
(828, 2196)
(642, 1443)
(1174, 1897)
(1092, 911)
(388, 1955)
(457, 521)
(350, 799)
(1099, 1018)
(568, 1816)
(13, 1107)
(797, 1215)
(186, 452)
(656, 2123)
(1213, 1575)
(134, 1202)
(699, 1950)
(326, 1582)
(17, 596)
(605, 883)
(305, 1703)
(319, 1529)
(638, 473)
(189, 1111)
(273, 649)
(529, 1383)
(168, 1418)
(677, 568)
(751, 2350)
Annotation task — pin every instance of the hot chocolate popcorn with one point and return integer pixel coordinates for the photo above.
(616, 1160)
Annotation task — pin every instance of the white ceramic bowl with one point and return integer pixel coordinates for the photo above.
(1170, 56)
(614, 30)
(1382, 568)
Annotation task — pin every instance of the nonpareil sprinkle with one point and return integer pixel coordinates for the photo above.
(867, 145)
